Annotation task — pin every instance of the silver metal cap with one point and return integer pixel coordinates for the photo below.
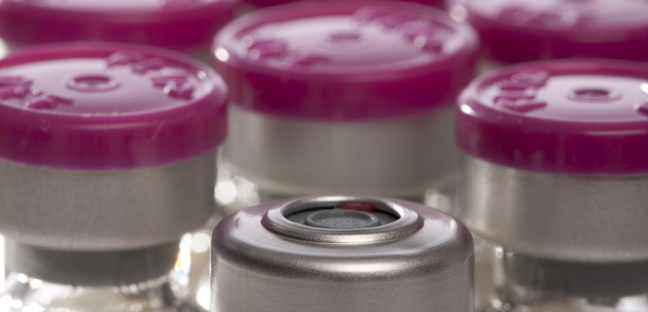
(557, 216)
(105, 210)
(342, 253)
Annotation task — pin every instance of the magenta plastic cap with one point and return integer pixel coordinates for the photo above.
(566, 117)
(175, 24)
(345, 60)
(106, 106)
(528, 30)
(267, 3)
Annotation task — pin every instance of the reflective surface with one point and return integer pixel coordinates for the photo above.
(199, 276)
(421, 261)
(400, 157)
(27, 294)
(528, 284)
(577, 218)
(105, 210)
(162, 294)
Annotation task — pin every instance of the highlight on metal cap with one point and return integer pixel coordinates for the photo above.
(342, 253)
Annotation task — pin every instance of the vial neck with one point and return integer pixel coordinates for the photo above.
(529, 283)
(581, 279)
(92, 268)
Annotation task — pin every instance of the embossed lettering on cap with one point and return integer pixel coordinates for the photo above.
(346, 51)
(107, 106)
(176, 85)
(569, 117)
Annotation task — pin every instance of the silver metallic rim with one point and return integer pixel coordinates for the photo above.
(297, 158)
(556, 216)
(100, 210)
(408, 223)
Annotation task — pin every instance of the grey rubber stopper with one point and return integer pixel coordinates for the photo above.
(342, 219)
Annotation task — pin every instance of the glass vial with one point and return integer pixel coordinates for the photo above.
(342, 253)
(108, 158)
(341, 97)
(554, 184)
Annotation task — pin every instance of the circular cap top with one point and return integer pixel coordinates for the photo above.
(371, 269)
(260, 231)
(102, 106)
(345, 60)
(165, 23)
(571, 117)
(527, 30)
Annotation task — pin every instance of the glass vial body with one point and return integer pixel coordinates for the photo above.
(146, 279)
(524, 283)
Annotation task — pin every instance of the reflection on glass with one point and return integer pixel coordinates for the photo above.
(167, 293)
(529, 284)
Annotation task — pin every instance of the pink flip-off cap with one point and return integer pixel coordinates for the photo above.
(175, 24)
(338, 61)
(107, 106)
(267, 3)
(528, 30)
(565, 117)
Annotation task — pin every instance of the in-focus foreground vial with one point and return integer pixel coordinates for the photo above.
(107, 156)
(556, 181)
(514, 31)
(182, 25)
(341, 253)
(335, 97)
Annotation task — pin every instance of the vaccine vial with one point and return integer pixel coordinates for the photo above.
(514, 31)
(342, 253)
(343, 97)
(555, 183)
(183, 25)
(107, 159)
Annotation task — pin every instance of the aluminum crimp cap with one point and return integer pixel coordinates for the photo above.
(342, 253)
(173, 24)
(557, 159)
(528, 30)
(345, 60)
(106, 146)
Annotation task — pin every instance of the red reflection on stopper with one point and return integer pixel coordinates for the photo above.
(360, 206)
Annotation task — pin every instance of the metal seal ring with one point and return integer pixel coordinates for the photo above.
(407, 224)
(395, 264)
